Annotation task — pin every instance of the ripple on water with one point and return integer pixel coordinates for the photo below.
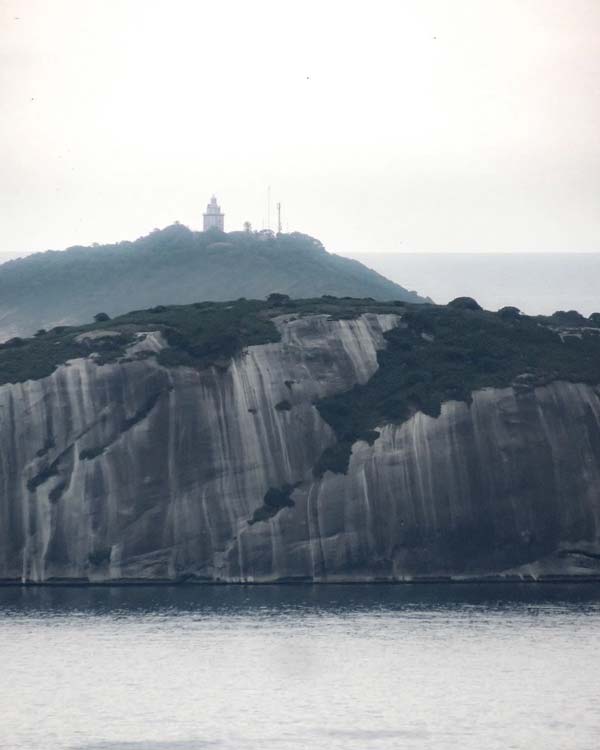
(352, 667)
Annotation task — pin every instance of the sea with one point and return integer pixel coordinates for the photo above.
(536, 283)
(301, 667)
(354, 667)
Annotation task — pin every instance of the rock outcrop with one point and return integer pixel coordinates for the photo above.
(132, 470)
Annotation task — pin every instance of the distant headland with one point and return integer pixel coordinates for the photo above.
(176, 265)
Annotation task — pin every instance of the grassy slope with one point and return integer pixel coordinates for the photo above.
(175, 265)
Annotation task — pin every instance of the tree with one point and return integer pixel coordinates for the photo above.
(101, 317)
(568, 317)
(276, 299)
(465, 303)
(509, 312)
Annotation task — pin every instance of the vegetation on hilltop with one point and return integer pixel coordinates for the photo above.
(198, 335)
(445, 353)
(176, 265)
(436, 354)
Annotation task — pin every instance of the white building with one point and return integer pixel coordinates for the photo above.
(213, 218)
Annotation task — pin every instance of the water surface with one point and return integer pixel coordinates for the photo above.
(295, 667)
(537, 283)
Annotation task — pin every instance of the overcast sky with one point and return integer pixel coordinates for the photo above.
(408, 125)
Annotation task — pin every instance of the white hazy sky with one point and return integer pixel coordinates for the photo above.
(408, 125)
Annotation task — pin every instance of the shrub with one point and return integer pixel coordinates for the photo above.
(101, 317)
(89, 453)
(43, 476)
(274, 500)
(509, 313)
(336, 458)
(465, 303)
(465, 350)
(277, 300)
(568, 318)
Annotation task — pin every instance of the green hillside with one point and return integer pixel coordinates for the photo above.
(176, 266)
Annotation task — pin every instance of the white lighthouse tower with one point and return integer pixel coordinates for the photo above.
(213, 218)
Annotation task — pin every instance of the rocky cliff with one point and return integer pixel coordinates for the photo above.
(135, 470)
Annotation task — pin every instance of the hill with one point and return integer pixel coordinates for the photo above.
(302, 440)
(176, 265)
(439, 353)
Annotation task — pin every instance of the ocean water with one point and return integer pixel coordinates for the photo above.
(299, 667)
(536, 283)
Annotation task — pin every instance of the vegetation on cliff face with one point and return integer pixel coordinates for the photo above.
(275, 499)
(176, 265)
(436, 354)
(200, 335)
(35, 358)
(440, 353)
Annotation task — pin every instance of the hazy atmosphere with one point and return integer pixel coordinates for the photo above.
(299, 375)
(438, 126)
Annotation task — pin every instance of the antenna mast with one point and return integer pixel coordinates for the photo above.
(269, 207)
(279, 218)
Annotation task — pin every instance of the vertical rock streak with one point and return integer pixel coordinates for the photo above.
(126, 471)
(94, 487)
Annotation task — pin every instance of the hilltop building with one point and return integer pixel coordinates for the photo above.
(213, 218)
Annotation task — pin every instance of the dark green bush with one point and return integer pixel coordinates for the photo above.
(465, 350)
(276, 299)
(336, 458)
(568, 318)
(464, 303)
(509, 313)
(274, 500)
(90, 453)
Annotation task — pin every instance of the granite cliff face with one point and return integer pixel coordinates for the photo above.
(134, 470)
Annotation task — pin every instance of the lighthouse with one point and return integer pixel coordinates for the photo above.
(213, 218)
